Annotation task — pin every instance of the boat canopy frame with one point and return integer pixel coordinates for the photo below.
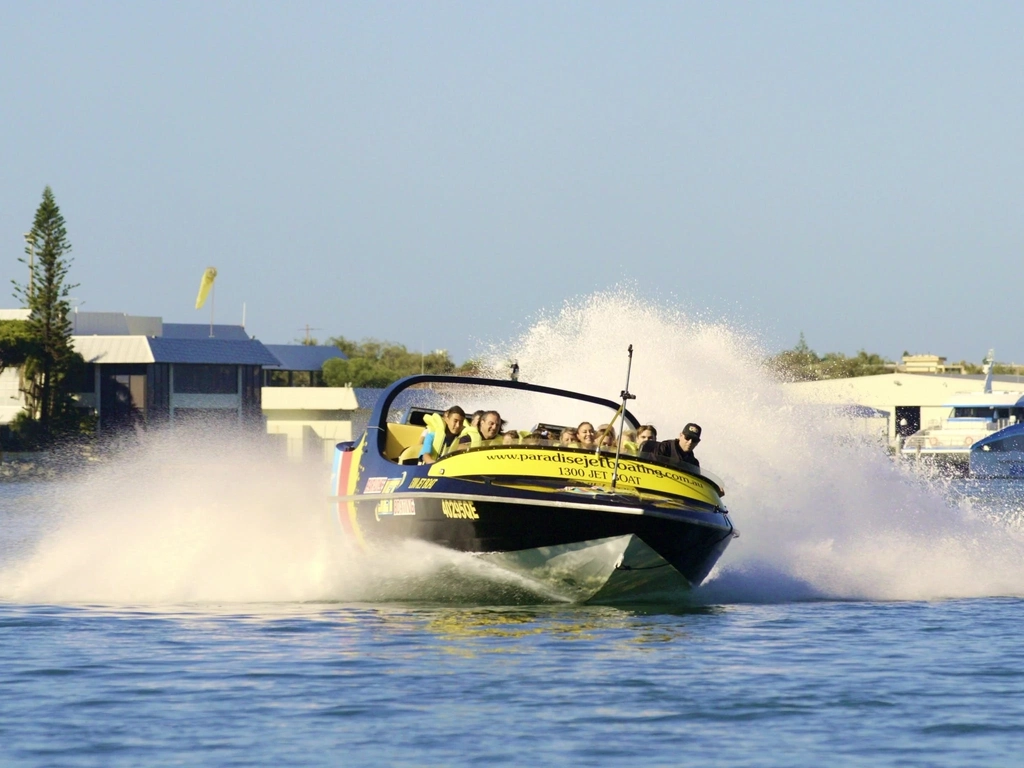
(379, 416)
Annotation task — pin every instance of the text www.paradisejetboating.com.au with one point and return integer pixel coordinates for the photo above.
(584, 462)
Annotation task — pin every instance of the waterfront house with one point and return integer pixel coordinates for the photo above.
(142, 372)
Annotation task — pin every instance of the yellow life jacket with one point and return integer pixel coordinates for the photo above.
(473, 434)
(475, 439)
(438, 432)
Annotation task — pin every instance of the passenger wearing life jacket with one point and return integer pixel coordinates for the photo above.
(586, 436)
(606, 438)
(536, 437)
(629, 442)
(485, 433)
(442, 434)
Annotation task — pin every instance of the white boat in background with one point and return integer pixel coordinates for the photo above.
(973, 416)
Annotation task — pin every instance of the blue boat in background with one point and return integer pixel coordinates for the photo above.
(1000, 454)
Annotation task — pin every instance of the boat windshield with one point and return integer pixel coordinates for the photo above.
(1014, 443)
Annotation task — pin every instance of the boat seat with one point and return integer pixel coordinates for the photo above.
(410, 455)
(401, 437)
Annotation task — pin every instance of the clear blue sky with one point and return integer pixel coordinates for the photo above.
(439, 173)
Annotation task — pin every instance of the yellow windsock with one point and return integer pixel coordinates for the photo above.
(205, 285)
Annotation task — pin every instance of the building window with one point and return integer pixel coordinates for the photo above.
(206, 379)
(277, 378)
(83, 380)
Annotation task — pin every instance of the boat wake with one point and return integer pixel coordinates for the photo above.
(822, 514)
(198, 519)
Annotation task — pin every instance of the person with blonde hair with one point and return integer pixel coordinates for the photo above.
(603, 433)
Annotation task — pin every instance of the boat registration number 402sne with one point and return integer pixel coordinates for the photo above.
(588, 519)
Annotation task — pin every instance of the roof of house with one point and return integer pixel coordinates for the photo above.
(217, 351)
(202, 331)
(107, 350)
(300, 357)
(150, 349)
(114, 324)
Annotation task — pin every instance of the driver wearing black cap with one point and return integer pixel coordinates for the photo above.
(681, 449)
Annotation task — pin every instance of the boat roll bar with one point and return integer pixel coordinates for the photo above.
(378, 417)
(626, 396)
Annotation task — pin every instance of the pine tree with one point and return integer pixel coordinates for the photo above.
(50, 372)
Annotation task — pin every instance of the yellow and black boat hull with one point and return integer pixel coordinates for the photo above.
(588, 526)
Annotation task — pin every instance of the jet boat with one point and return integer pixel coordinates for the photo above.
(585, 525)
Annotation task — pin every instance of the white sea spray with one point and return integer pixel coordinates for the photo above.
(201, 516)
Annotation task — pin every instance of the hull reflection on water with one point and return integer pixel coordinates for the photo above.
(619, 568)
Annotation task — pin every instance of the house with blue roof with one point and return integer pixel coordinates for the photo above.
(166, 373)
(142, 372)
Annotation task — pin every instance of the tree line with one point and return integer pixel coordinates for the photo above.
(801, 363)
(373, 363)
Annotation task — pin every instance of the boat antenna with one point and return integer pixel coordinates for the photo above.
(626, 396)
(990, 360)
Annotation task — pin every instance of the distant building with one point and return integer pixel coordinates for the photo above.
(914, 401)
(299, 365)
(927, 364)
(141, 371)
(144, 372)
(312, 420)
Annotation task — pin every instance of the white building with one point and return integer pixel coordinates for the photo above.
(914, 401)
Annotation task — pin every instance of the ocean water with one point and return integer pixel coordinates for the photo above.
(192, 601)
